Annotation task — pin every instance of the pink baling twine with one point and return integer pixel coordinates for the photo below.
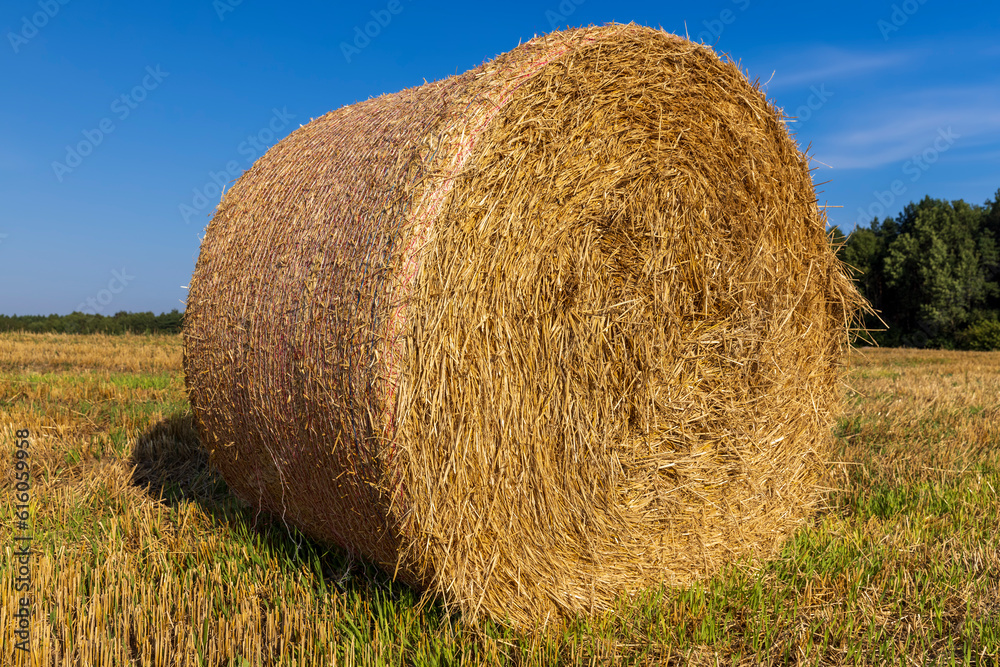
(420, 218)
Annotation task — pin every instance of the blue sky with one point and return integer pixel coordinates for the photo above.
(120, 118)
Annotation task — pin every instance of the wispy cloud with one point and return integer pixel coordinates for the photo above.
(893, 129)
(826, 64)
(989, 156)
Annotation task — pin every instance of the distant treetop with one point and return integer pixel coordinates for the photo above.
(120, 323)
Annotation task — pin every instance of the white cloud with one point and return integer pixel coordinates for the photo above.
(896, 128)
(827, 64)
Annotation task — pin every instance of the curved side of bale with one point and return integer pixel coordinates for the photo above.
(559, 328)
(285, 335)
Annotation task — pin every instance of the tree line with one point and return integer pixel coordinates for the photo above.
(932, 273)
(120, 323)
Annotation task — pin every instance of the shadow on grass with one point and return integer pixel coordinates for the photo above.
(173, 467)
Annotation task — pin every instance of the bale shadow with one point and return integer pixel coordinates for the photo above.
(173, 467)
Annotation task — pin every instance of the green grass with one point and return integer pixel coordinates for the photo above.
(145, 557)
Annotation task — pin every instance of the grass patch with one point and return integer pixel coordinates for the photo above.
(143, 556)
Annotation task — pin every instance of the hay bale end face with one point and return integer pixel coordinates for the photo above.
(556, 329)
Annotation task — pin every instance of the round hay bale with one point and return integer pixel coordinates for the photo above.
(556, 329)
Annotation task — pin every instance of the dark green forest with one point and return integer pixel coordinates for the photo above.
(119, 323)
(932, 274)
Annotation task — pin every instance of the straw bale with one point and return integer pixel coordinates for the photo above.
(557, 329)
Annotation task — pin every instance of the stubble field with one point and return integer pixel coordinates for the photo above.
(140, 555)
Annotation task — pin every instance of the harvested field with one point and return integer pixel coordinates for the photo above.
(142, 553)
